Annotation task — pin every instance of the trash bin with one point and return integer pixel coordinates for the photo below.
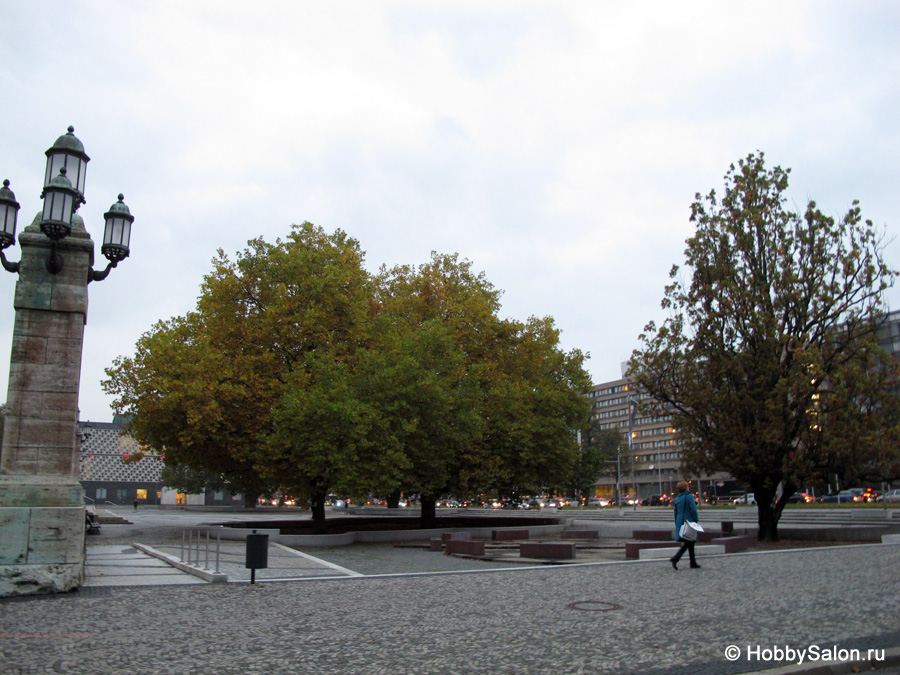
(257, 553)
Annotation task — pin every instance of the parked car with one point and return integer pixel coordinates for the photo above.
(843, 497)
(748, 498)
(657, 500)
(892, 497)
(870, 495)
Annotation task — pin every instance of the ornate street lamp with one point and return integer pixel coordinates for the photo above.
(40, 491)
(66, 162)
(9, 210)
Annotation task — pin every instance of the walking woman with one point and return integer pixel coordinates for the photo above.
(685, 510)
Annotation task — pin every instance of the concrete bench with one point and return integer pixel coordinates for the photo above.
(669, 551)
(580, 534)
(633, 548)
(547, 550)
(436, 544)
(464, 547)
(458, 536)
(508, 535)
(890, 539)
(734, 544)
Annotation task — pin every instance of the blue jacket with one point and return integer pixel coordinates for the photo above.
(685, 509)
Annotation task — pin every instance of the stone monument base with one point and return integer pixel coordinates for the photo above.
(41, 535)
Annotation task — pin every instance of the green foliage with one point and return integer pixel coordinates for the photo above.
(600, 454)
(192, 481)
(300, 372)
(769, 358)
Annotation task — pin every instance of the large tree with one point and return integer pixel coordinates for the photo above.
(769, 360)
(207, 386)
(474, 402)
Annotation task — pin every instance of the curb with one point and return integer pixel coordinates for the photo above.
(206, 575)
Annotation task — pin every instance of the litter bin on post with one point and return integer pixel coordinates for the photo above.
(257, 554)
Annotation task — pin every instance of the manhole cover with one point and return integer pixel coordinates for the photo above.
(594, 606)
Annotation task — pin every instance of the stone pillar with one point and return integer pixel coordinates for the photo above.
(41, 501)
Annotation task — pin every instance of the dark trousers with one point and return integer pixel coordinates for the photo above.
(686, 545)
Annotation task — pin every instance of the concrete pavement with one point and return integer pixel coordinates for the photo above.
(628, 617)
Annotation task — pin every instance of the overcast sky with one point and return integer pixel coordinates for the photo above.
(556, 145)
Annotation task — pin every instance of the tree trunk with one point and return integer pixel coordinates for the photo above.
(767, 517)
(250, 501)
(393, 500)
(428, 519)
(317, 506)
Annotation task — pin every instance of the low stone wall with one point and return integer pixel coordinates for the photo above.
(547, 550)
(380, 536)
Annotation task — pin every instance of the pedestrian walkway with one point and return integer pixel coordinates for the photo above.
(625, 617)
(119, 565)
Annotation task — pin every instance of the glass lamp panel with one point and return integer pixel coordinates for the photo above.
(8, 215)
(76, 169)
(54, 162)
(58, 207)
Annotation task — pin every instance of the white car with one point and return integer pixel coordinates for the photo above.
(745, 499)
(892, 497)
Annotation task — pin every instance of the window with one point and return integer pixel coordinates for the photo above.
(100, 493)
(141, 494)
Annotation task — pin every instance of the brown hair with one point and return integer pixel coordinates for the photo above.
(682, 486)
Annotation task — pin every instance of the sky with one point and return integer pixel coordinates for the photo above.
(558, 146)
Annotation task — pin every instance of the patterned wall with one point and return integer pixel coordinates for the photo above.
(103, 453)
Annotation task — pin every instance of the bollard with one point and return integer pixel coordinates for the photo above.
(257, 553)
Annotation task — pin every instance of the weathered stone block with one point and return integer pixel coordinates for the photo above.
(14, 523)
(56, 536)
(464, 547)
(547, 550)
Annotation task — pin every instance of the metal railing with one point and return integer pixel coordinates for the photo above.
(191, 543)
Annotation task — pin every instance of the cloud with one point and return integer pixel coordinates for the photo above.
(558, 146)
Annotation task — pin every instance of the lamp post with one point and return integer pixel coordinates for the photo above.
(41, 500)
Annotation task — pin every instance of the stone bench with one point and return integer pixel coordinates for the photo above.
(580, 534)
(734, 544)
(547, 550)
(663, 553)
(508, 535)
(464, 547)
(633, 548)
(458, 536)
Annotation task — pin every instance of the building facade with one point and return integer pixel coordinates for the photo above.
(117, 471)
(651, 461)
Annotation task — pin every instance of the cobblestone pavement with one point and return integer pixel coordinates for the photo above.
(634, 617)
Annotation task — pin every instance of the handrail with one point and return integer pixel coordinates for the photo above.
(193, 549)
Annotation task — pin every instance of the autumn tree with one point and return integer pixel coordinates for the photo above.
(472, 401)
(769, 361)
(185, 397)
(534, 403)
(207, 386)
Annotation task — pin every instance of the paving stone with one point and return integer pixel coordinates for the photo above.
(623, 617)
